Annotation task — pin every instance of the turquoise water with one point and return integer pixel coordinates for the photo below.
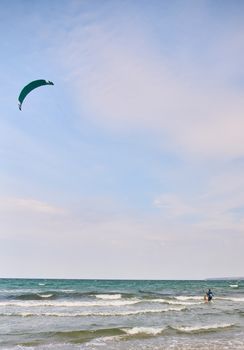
(113, 314)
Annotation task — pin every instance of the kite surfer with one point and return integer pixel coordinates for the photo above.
(209, 295)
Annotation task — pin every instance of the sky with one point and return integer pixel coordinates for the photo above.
(132, 165)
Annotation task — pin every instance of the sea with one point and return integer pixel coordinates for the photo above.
(120, 314)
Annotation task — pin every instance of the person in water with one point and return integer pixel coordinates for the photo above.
(209, 295)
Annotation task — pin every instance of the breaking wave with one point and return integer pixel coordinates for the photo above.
(206, 328)
(90, 313)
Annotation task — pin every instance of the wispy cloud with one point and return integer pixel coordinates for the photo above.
(130, 84)
(211, 212)
(173, 206)
(28, 205)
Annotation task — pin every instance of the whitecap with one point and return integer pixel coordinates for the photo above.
(183, 297)
(90, 313)
(236, 299)
(70, 303)
(108, 296)
(143, 330)
(189, 329)
(45, 295)
(175, 302)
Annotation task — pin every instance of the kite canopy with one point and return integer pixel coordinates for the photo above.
(31, 86)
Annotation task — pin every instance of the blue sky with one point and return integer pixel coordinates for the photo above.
(131, 165)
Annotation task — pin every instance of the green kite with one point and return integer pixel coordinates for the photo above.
(31, 86)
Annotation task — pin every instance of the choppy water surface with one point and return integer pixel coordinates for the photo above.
(96, 314)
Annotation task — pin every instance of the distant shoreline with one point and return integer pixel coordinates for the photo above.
(124, 279)
(225, 279)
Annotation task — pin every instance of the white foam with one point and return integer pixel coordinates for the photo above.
(108, 296)
(143, 311)
(45, 295)
(236, 299)
(90, 313)
(103, 341)
(202, 328)
(144, 330)
(101, 303)
(175, 302)
(183, 297)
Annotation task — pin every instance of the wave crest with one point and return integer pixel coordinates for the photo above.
(108, 296)
(144, 330)
(206, 328)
